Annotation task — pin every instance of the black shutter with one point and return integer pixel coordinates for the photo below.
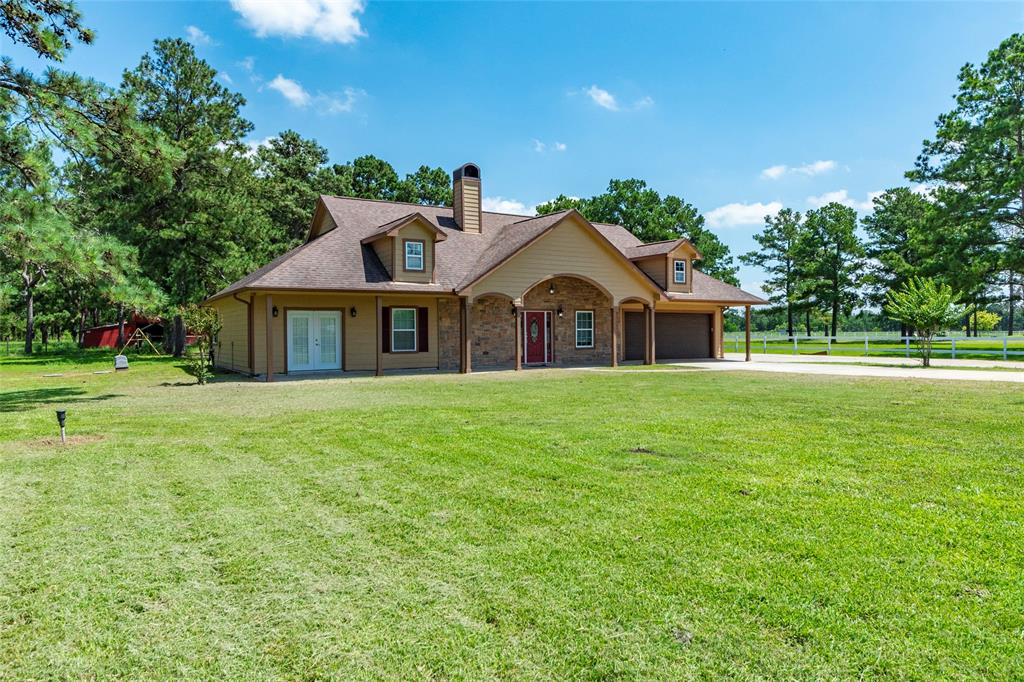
(421, 329)
(385, 329)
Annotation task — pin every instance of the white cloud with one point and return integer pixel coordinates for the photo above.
(255, 145)
(291, 90)
(607, 100)
(602, 98)
(334, 104)
(248, 64)
(541, 147)
(332, 21)
(841, 196)
(226, 77)
(503, 205)
(197, 36)
(808, 169)
(735, 214)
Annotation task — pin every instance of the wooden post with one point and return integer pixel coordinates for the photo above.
(615, 336)
(747, 330)
(380, 341)
(467, 337)
(270, 337)
(651, 356)
(519, 337)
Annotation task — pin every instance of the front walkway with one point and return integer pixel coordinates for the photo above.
(897, 368)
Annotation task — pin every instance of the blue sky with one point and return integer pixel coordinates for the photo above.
(738, 108)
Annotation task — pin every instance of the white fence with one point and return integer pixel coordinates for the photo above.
(875, 343)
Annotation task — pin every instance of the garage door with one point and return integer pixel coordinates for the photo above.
(682, 335)
(633, 345)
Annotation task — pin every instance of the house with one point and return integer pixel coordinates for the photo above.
(385, 286)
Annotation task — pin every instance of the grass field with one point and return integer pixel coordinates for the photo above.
(545, 525)
(880, 346)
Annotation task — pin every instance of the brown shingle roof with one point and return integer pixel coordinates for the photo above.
(337, 260)
(707, 288)
(657, 248)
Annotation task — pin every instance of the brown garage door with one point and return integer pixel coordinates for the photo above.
(682, 335)
(633, 345)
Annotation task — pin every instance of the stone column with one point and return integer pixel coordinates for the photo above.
(467, 336)
(615, 336)
(519, 337)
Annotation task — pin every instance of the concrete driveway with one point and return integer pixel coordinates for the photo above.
(893, 368)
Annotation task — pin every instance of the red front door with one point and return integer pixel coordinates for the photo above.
(536, 333)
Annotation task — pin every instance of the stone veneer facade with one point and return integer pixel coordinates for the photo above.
(494, 326)
(449, 332)
(574, 294)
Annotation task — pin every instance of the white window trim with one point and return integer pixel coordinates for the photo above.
(415, 331)
(675, 272)
(421, 256)
(591, 329)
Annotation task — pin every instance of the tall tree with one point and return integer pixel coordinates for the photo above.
(79, 114)
(651, 217)
(204, 198)
(977, 159)
(288, 169)
(374, 178)
(430, 186)
(831, 256)
(896, 241)
(778, 256)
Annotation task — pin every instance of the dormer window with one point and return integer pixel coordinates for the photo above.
(679, 272)
(413, 255)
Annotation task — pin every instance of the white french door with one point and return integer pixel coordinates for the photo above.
(314, 340)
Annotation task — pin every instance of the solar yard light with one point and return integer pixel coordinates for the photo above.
(61, 416)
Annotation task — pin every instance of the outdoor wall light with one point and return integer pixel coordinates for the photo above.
(561, 313)
(352, 312)
(274, 311)
(513, 311)
(551, 288)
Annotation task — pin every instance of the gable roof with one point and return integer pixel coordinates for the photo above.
(392, 228)
(519, 235)
(341, 259)
(658, 248)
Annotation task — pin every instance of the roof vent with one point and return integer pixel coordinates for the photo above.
(466, 197)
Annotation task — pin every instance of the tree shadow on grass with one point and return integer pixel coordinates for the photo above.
(19, 401)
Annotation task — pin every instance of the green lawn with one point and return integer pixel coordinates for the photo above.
(966, 347)
(546, 525)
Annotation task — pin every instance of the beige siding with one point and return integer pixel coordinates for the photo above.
(568, 249)
(467, 204)
(413, 231)
(685, 253)
(386, 252)
(232, 351)
(654, 267)
(359, 333)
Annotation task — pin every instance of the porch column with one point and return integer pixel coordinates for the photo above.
(270, 337)
(519, 337)
(380, 341)
(748, 333)
(654, 355)
(467, 336)
(648, 334)
(615, 336)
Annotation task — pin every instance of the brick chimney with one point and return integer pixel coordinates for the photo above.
(466, 197)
